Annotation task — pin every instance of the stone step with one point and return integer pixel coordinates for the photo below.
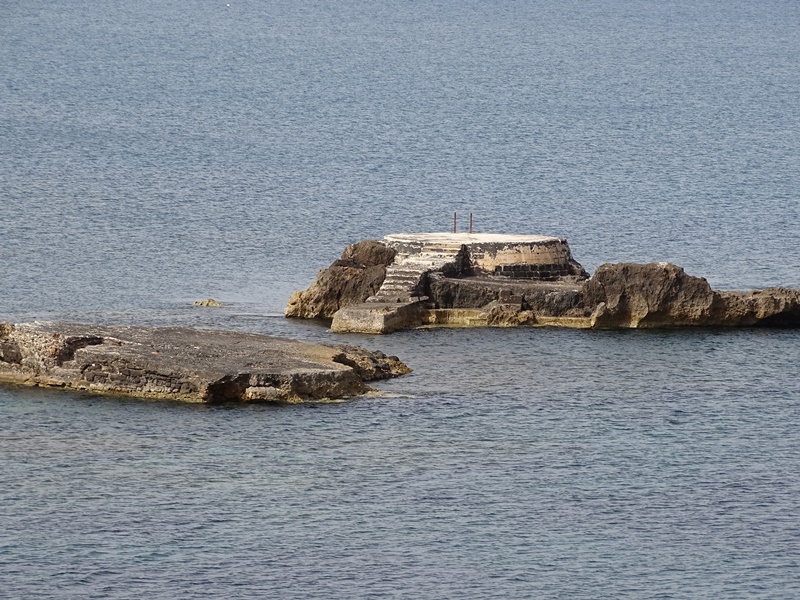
(424, 260)
(408, 278)
(403, 274)
(411, 281)
(406, 284)
(397, 299)
(420, 263)
(448, 248)
(397, 286)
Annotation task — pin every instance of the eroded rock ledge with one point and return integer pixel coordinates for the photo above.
(186, 364)
(462, 282)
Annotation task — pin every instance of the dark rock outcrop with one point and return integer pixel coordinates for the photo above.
(356, 276)
(650, 295)
(618, 296)
(491, 283)
(186, 364)
(449, 292)
(556, 301)
(771, 307)
(542, 297)
(630, 295)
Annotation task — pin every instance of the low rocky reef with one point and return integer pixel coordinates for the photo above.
(451, 291)
(186, 364)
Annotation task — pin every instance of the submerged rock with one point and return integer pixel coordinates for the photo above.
(208, 302)
(356, 276)
(186, 364)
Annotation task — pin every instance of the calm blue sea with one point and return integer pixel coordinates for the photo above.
(153, 153)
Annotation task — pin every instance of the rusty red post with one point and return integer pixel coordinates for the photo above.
(454, 222)
(470, 222)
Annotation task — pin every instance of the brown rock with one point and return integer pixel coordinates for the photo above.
(772, 307)
(370, 365)
(507, 315)
(631, 295)
(451, 292)
(356, 276)
(648, 295)
(625, 295)
(469, 285)
(208, 302)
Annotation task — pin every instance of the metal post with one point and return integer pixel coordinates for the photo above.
(470, 222)
(454, 222)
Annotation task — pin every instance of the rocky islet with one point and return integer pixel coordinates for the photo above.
(494, 280)
(401, 282)
(190, 365)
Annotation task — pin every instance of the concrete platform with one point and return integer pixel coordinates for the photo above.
(401, 301)
(504, 280)
(440, 238)
(506, 255)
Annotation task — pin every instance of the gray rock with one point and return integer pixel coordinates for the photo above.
(186, 364)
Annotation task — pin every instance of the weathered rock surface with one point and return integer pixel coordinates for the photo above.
(630, 295)
(549, 298)
(186, 364)
(356, 276)
(618, 296)
(444, 280)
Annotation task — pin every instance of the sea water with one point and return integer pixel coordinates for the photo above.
(157, 153)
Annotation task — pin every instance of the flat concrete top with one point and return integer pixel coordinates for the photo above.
(467, 238)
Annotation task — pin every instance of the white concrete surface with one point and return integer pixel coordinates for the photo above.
(466, 238)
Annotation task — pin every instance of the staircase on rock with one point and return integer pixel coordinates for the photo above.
(404, 275)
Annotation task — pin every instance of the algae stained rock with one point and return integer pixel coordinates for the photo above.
(186, 364)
